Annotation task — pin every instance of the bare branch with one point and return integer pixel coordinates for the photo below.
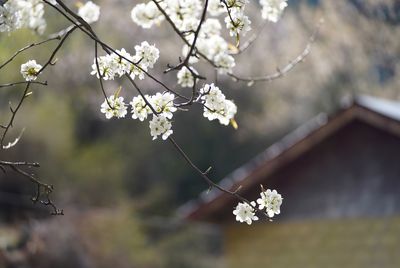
(284, 70)
(43, 190)
(28, 47)
(24, 82)
(16, 140)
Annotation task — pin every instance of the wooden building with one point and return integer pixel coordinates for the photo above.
(339, 176)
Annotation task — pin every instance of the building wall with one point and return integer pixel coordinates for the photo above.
(354, 173)
(341, 208)
(346, 243)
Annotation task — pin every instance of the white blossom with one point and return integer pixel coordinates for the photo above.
(114, 107)
(163, 104)
(215, 7)
(270, 201)
(224, 62)
(272, 9)
(210, 28)
(134, 69)
(217, 45)
(140, 109)
(237, 3)
(181, 10)
(185, 51)
(190, 25)
(15, 14)
(90, 12)
(121, 62)
(106, 67)
(148, 54)
(30, 69)
(245, 212)
(146, 15)
(160, 125)
(216, 106)
(190, 8)
(185, 77)
(237, 22)
(122, 65)
(10, 18)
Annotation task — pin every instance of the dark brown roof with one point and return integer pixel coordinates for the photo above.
(380, 113)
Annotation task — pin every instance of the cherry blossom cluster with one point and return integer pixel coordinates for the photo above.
(16, 14)
(121, 62)
(272, 9)
(90, 12)
(185, 77)
(162, 107)
(202, 26)
(216, 106)
(203, 35)
(186, 16)
(269, 203)
(161, 104)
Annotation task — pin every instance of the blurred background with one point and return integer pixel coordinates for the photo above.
(119, 189)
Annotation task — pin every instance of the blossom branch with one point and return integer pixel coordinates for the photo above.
(195, 32)
(87, 29)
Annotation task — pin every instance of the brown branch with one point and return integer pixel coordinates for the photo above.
(193, 45)
(18, 163)
(204, 176)
(43, 190)
(287, 68)
(24, 82)
(25, 94)
(13, 114)
(252, 39)
(108, 49)
(26, 48)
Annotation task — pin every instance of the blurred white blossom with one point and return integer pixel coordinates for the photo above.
(185, 77)
(16, 14)
(272, 9)
(224, 62)
(215, 7)
(90, 12)
(146, 15)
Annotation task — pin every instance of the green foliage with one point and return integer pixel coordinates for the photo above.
(116, 239)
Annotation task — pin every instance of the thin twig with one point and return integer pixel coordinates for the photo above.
(28, 47)
(43, 190)
(24, 82)
(287, 68)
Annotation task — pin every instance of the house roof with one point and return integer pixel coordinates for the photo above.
(380, 113)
